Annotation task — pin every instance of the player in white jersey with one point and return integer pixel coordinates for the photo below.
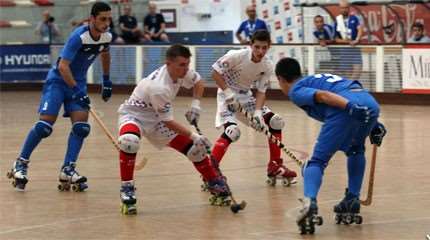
(235, 73)
(149, 113)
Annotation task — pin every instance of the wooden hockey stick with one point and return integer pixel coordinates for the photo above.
(140, 165)
(274, 139)
(368, 199)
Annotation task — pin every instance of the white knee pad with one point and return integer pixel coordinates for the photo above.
(232, 132)
(129, 143)
(197, 153)
(276, 122)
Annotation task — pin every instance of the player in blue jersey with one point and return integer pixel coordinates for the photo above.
(66, 85)
(349, 114)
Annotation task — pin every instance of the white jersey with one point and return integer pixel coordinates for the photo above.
(240, 73)
(151, 102)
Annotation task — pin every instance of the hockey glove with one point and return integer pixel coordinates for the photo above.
(106, 88)
(193, 115)
(377, 134)
(258, 121)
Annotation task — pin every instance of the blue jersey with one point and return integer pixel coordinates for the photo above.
(302, 93)
(326, 33)
(81, 50)
(249, 27)
(351, 23)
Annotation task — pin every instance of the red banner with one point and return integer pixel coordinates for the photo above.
(382, 23)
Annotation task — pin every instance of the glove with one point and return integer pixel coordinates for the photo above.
(358, 112)
(258, 121)
(230, 100)
(200, 140)
(106, 88)
(81, 98)
(377, 134)
(193, 115)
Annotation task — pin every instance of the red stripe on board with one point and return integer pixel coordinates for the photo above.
(417, 46)
(415, 91)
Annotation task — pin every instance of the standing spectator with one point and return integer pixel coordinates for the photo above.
(348, 31)
(154, 25)
(47, 29)
(250, 26)
(418, 34)
(324, 33)
(128, 25)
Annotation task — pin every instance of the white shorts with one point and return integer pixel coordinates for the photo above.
(223, 115)
(150, 127)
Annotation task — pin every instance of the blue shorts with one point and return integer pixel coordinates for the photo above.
(341, 132)
(53, 96)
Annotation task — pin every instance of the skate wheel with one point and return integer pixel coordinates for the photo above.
(338, 219)
(303, 230)
(271, 181)
(348, 219)
(128, 209)
(286, 182)
(318, 220)
(9, 175)
(212, 200)
(358, 219)
(75, 188)
(311, 229)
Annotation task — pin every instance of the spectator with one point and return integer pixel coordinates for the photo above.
(250, 26)
(154, 25)
(115, 37)
(324, 33)
(418, 34)
(128, 25)
(348, 31)
(47, 29)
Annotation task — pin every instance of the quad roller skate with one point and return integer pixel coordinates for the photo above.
(347, 211)
(18, 174)
(128, 198)
(70, 178)
(220, 194)
(276, 170)
(308, 216)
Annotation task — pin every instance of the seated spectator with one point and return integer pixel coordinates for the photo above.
(250, 26)
(324, 33)
(154, 25)
(128, 25)
(115, 38)
(418, 34)
(47, 29)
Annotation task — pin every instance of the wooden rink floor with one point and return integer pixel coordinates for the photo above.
(170, 203)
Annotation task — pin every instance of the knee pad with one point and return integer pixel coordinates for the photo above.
(129, 138)
(276, 122)
(232, 132)
(197, 153)
(355, 150)
(81, 129)
(43, 129)
(129, 143)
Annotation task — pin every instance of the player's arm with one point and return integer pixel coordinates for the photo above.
(331, 99)
(105, 61)
(66, 73)
(198, 90)
(359, 35)
(219, 80)
(106, 83)
(260, 98)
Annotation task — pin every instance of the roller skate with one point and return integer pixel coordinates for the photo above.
(308, 216)
(347, 211)
(220, 193)
(70, 178)
(18, 174)
(276, 170)
(128, 199)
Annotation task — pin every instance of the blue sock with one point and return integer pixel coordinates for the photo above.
(312, 180)
(40, 130)
(356, 167)
(74, 146)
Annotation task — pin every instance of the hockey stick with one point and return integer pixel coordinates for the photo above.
(368, 200)
(274, 139)
(235, 207)
(140, 165)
